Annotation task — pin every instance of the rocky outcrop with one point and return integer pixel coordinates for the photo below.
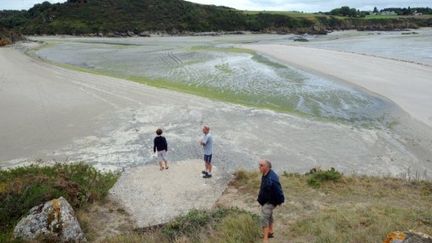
(8, 37)
(152, 197)
(407, 237)
(55, 221)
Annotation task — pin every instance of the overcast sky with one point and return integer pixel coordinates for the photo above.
(304, 5)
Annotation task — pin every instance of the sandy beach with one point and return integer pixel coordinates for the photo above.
(50, 112)
(409, 85)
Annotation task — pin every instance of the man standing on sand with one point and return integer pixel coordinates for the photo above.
(270, 196)
(207, 143)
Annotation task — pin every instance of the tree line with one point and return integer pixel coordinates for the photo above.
(80, 17)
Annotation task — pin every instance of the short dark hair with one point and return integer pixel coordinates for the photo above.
(159, 131)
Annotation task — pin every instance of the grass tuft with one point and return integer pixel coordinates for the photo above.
(317, 176)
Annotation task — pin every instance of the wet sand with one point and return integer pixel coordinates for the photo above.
(50, 112)
(409, 85)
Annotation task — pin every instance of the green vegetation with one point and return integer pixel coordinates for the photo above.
(129, 17)
(287, 13)
(25, 187)
(317, 176)
(408, 11)
(348, 12)
(342, 209)
(386, 12)
(348, 209)
(225, 67)
(382, 17)
(219, 225)
(226, 95)
(8, 37)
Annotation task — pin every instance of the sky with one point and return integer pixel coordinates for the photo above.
(281, 5)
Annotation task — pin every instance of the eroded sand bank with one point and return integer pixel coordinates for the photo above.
(54, 113)
(407, 84)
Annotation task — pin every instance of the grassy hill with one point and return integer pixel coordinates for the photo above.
(323, 206)
(176, 16)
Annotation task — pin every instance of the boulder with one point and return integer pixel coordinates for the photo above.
(153, 197)
(415, 237)
(407, 237)
(55, 220)
(144, 34)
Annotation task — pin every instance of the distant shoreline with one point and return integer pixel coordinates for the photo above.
(149, 34)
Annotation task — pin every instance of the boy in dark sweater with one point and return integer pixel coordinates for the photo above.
(161, 148)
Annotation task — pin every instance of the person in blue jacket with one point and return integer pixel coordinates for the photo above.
(269, 197)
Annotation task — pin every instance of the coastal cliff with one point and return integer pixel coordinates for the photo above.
(177, 17)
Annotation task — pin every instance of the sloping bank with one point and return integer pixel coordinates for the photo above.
(320, 205)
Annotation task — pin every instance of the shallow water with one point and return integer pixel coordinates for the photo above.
(132, 112)
(412, 46)
(214, 65)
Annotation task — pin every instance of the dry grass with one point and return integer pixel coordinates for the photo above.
(341, 209)
(102, 219)
(219, 225)
(352, 209)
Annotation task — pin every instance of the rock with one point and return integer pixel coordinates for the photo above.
(110, 34)
(415, 237)
(8, 37)
(55, 220)
(144, 34)
(301, 39)
(206, 34)
(407, 237)
(154, 197)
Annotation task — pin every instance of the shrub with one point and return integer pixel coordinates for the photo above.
(187, 225)
(316, 177)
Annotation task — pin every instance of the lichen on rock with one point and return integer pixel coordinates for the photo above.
(54, 220)
(407, 237)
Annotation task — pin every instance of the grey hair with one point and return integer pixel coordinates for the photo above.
(269, 164)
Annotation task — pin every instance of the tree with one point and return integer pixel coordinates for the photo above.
(345, 11)
(375, 11)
